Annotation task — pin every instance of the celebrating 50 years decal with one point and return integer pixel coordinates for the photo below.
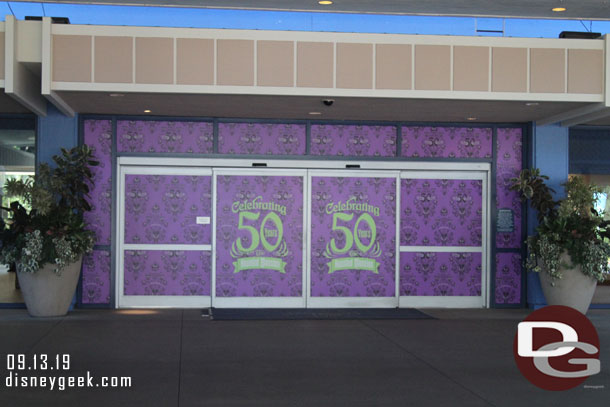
(259, 236)
(269, 235)
(363, 236)
(353, 236)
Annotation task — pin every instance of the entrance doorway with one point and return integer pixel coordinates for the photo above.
(201, 233)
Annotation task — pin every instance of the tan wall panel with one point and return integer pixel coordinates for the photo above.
(1, 55)
(585, 71)
(235, 62)
(547, 70)
(154, 60)
(114, 59)
(393, 66)
(275, 63)
(195, 61)
(72, 58)
(354, 66)
(315, 64)
(471, 68)
(432, 67)
(509, 69)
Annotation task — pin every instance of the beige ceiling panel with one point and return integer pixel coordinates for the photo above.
(432, 67)
(470, 68)
(113, 59)
(72, 58)
(509, 69)
(547, 70)
(195, 61)
(315, 64)
(354, 66)
(155, 60)
(235, 63)
(275, 63)
(585, 71)
(393, 66)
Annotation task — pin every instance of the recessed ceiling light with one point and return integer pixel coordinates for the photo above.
(325, 2)
(558, 9)
(116, 95)
(315, 113)
(532, 104)
(147, 111)
(471, 119)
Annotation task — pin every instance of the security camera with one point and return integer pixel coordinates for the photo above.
(328, 102)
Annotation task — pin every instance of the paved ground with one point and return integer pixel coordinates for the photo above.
(178, 358)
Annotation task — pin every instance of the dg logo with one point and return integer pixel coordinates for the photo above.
(557, 348)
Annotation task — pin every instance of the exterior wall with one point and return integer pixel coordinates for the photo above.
(549, 152)
(589, 150)
(2, 57)
(509, 281)
(96, 281)
(501, 145)
(100, 58)
(55, 131)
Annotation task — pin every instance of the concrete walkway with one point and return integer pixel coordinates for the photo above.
(178, 358)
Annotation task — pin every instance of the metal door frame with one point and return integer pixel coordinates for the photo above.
(355, 302)
(456, 301)
(260, 302)
(153, 301)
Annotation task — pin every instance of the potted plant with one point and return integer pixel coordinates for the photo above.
(571, 247)
(46, 237)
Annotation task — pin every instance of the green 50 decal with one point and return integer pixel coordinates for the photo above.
(355, 261)
(260, 237)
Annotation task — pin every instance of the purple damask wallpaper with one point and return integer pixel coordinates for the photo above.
(440, 274)
(259, 236)
(353, 237)
(353, 141)
(440, 212)
(446, 142)
(508, 278)
(98, 135)
(147, 136)
(509, 166)
(167, 272)
(261, 138)
(96, 277)
(164, 209)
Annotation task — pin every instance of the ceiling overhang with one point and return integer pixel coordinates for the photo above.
(300, 107)
(575, 9)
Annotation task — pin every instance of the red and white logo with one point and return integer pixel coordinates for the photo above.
(557, 348)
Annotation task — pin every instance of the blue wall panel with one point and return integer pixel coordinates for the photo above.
(54, 132)
(550, 152)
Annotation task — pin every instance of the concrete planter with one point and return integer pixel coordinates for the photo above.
(48, 294)
(574, 289)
